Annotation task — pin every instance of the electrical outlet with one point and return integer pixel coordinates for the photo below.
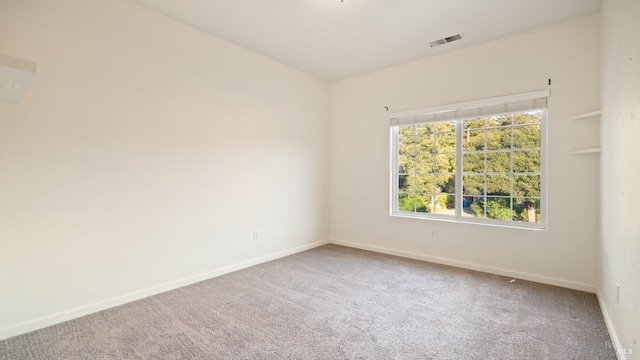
(617, 293)
(256, 235)
(433, 234)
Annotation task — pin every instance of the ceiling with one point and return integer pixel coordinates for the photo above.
(335, 40)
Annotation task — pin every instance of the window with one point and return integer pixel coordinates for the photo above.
(481, 161)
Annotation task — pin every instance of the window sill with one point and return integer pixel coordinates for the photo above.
(471, 221)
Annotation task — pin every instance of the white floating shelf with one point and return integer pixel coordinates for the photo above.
(586, 151)
(587, 115)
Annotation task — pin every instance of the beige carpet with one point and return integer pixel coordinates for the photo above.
(336, 303)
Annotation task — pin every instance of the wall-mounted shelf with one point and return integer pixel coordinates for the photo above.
(586, 151)
(587, 115)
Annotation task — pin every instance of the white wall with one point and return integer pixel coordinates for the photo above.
(146, 152)
(620, 246)
(566, 254)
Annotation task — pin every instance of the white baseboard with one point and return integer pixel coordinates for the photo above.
(66, 315)
(612, 330)
(471, 266)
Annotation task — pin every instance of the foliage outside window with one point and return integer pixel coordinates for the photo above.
(495, 161)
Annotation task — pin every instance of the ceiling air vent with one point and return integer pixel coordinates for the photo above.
(437, 43)
(446, 40)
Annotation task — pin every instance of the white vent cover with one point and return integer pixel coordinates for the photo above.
(15, 77)
(446, 40)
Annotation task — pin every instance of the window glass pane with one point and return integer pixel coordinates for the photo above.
(421, 202)
(425, 144)
(499, 185)
(426, 183)
(476, 207)
(446, 143)
(407, 183)
(466, 206)
(424, 129)
(500, 120)
(448, 126)
(528, 118)
(526, 137)
(473, 140)
(446, 163)
(473, 162)
(526, 161)
(445, 204)
(526, 185)
(499, 139)
(404, 131)
(526, 209)
(406, 202)
(445, 183)
(471, 124)
(499, 162)
(406, 164)
(407, 146)
(498, 208)
(425, 164)
(473, 184)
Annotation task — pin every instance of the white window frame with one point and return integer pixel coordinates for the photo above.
(450, 112)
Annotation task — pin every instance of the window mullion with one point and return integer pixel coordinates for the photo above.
(415, 169)
(432, 196)
(484, 195)
(458, 175)
(511, 176)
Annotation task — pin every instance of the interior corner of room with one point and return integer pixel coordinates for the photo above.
(140, 155)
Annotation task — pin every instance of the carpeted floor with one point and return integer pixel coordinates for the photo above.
(336, 303)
